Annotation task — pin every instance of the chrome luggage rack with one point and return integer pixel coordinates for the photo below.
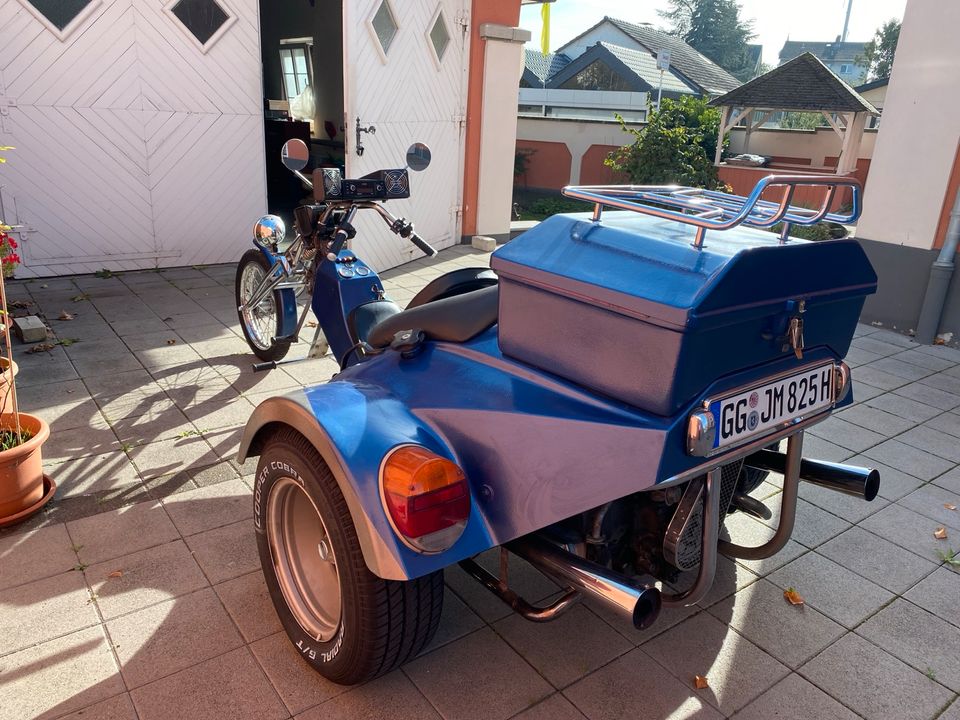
(714, 210)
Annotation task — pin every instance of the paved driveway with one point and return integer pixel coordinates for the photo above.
(138, 595)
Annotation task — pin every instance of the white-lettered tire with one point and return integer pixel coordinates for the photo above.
(347, 623)
(260, 324)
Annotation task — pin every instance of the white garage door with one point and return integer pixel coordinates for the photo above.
(138, 131)
(405, 75)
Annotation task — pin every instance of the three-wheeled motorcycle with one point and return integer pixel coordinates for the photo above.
(596, 405)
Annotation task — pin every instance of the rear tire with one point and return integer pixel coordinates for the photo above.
(366, 626)
(262, 323)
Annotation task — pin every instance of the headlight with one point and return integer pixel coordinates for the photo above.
(269, 232)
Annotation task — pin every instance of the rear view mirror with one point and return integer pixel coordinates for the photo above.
(295, 154)
(418, 157)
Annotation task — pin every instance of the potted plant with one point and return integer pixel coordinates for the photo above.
(23, 487)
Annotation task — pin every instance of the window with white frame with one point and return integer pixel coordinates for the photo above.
(296, 67)
(844, 69)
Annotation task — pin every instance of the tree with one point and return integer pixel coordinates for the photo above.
(714, 28)
(677, 145)
(878, 53)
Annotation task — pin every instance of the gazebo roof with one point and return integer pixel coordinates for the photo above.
(802, 84)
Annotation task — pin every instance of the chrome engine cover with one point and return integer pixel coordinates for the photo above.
(682, 541)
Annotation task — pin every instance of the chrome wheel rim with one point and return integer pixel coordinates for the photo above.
(260, 322)
(304, 560)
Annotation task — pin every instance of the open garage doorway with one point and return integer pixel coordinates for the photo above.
(301, 45)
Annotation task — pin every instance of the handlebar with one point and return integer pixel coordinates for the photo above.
(398, 226)
(424, 246)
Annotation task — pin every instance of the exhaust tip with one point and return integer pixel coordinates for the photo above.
(647, 609)
(872, 485)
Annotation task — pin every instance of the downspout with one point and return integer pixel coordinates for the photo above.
(941, 273)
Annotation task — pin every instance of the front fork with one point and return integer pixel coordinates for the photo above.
(280, 278)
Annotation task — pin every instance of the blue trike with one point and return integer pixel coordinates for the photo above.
(596, 404)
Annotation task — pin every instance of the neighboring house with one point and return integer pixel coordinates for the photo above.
(844, 58)
(754, 59)
(612, 68)
(539, 68)
(875, 92)
(141, 135)
(695, 69)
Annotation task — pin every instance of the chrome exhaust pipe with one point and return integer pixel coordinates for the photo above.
(860, 482)
(639, 603)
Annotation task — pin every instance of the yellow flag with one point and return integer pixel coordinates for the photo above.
(545, 33)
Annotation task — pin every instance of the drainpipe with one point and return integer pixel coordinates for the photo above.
(940, 275)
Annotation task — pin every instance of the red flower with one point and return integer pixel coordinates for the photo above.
(11, 242)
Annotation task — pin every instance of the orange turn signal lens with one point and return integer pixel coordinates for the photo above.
(427, 497)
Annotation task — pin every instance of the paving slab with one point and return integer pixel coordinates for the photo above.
(209, 507)
(904, 407)
(457, 620)
(616, 691)
(850, 508)
(29, 556)
(555, 707)
(876, 559)
(906, 529)
(53, 678)
(875, 419)
(832, 589)
(168, 637)
(113, 534)
(226, 552)
(229, 686)
(794, 698)
(938, 593)
(247, 600)
(894, 484)
(909, 459)
(298, 685)
(499, 685)
(144, 578)
(565, 650)
(791, 633)
(873, 683)
(391, 697)
(119, 707)
(931, 501)
(45, 609)
(737, 670)
(919, 638)
(929, 395)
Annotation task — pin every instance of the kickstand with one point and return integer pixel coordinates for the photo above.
(319, 347)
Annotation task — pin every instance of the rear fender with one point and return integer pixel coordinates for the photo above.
(353, 426)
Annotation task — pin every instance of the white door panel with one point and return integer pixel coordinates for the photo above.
(135, 145)
(408, 96)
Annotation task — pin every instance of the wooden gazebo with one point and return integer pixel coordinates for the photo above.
(803, 84)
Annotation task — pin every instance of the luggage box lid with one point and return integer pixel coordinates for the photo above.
(646, 267)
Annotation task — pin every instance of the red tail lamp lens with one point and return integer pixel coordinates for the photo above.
(427, 498)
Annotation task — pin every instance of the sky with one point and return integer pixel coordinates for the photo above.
(775, 20)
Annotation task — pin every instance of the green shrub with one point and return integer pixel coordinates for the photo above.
(677, 146)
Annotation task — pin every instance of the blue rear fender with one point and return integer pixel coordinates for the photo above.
(353, 425)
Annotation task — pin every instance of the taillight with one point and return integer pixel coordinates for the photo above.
(426, 496)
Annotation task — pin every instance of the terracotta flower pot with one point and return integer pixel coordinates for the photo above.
(6, 385)
(21, 467)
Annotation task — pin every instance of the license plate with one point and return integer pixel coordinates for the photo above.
(775, 404)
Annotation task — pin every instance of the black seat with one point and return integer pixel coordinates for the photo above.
(451, 319)
(453, 283)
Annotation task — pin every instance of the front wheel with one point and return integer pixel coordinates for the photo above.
(348, 624)
(260, 324)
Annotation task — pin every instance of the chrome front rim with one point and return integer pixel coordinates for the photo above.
(260, 321)
(303, 559)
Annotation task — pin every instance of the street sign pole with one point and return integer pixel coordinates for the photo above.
(663, 64)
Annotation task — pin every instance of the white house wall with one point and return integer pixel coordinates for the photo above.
(917, 139)
(134, 149)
